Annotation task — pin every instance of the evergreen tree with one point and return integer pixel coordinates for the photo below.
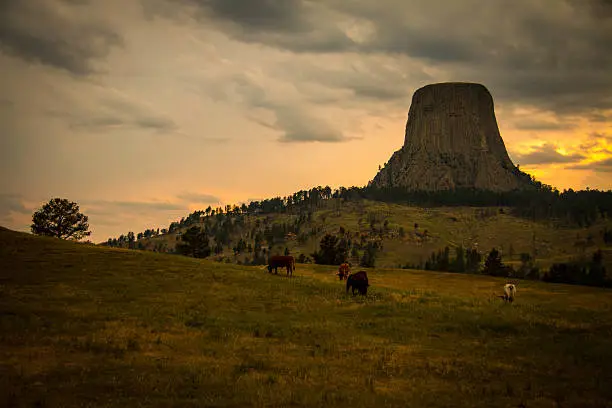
(131, 238)
(444, 260)
(342, 251)
(327, 252)
(60, 218)
(459, 262)
(368, 259)
(473, 260)
(526, 267)
(494, 266)
(194, 243)
(597, 272)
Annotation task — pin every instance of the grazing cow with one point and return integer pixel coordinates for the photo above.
(343, 271)
(275, 261)
(509, 292)
(358, 281)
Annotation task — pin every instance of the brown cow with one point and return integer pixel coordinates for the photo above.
(343, 271)
(358, 281)
(275, 261)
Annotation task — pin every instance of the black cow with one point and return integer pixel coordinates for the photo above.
(358, 281)
(275, 261)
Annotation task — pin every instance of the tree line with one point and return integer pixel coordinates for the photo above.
(579, 271)
(542, 202)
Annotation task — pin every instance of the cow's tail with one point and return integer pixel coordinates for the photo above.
(348, 284)
(293, 261)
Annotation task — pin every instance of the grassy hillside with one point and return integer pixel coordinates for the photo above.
(87, 325)
(485, 227)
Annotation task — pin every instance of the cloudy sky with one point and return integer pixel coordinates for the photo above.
(143, 111)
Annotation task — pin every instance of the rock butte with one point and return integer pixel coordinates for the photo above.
(452, 141)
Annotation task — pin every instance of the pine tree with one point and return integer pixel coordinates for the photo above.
(62, 219)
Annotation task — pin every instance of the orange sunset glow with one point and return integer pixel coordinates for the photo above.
(144, 111)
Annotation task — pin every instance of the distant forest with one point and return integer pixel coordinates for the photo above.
(569, 208)
(541, 203)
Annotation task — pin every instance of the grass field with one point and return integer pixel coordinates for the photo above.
(82, 325)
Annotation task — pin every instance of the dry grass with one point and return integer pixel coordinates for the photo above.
(91, 326)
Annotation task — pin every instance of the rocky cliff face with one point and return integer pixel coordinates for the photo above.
(452, 141)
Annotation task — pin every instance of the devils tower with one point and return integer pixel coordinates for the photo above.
(452, 141)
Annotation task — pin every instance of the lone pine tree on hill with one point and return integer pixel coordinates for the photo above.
(60, 218)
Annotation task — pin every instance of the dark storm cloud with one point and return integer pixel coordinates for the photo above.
(295, 25)
(551, 54)
(546, 154)
(37, 31)
(273, 15)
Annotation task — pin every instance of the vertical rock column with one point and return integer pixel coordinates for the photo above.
(452, 141)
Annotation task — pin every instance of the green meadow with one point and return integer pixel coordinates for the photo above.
(84, 325)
